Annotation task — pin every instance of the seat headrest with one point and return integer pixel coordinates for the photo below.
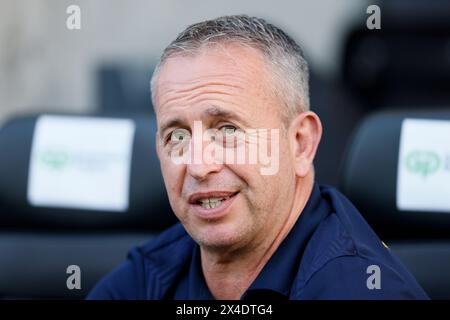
(77, 172)
(397, 172)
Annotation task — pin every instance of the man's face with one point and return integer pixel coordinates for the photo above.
(227, 89)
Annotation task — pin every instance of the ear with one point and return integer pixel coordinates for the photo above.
(304, 135)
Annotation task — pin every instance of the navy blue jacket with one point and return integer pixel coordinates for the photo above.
(330, 253)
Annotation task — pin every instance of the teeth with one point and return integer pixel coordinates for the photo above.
(210, 203)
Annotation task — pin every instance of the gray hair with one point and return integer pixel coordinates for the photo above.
(282, 54)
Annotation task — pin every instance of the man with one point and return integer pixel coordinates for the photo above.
(246, 233)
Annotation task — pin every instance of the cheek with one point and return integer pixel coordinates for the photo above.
(268, 190)
(255, 183)
(173, 178)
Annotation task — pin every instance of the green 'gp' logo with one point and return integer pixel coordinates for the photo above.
(55, 160)
(423, 162)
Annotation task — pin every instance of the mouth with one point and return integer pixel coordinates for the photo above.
(212, 205)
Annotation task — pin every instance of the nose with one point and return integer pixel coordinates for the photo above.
(203, 161)
(201, 171)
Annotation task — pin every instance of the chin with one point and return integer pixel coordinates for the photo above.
(219, 236)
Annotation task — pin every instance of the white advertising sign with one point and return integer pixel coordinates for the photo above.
(81, 163)
(423, 181)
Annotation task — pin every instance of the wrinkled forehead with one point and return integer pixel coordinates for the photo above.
(233, 68)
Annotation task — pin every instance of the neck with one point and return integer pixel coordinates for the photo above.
(229, 275)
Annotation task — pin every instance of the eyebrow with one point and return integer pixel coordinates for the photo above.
(211, 112)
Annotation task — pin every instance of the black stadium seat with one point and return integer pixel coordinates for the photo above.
(124, 88)
(421, 238)
(38, 243)
(405, 63)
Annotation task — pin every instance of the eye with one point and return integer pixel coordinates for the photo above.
(230, 136)
(228, 130)
(179, 135)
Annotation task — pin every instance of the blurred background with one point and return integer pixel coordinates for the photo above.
(106, 65)
(103, 70)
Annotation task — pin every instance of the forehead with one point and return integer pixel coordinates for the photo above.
(219, 61)
(230, 76)
(229, 65)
